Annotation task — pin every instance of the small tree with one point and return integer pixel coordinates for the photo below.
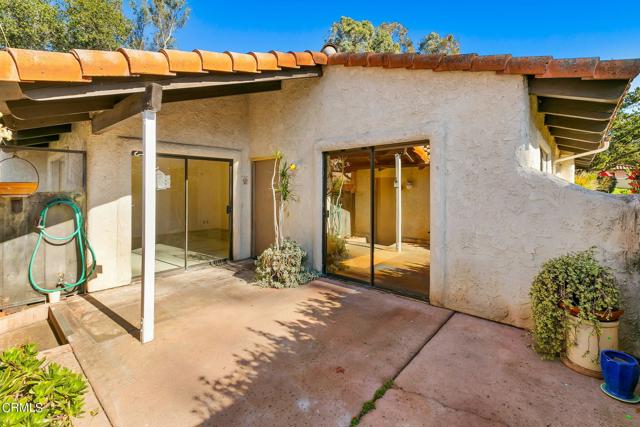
(163, 18)
(435, 44)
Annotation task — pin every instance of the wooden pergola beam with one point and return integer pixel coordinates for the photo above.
(576, 135)
(43, 131)
(608, 91)
(17, 124)
(594, 126)
(149, 100)
(31, 110)
(572, 145)
(36, 141)
(578, 109)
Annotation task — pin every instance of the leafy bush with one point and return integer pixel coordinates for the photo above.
(576, 280)
(283, 267)
(336, 252)
(606, 184)
(35, 393)
(588, 180)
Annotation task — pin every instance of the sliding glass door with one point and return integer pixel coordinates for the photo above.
(377, 217)
(193, 212)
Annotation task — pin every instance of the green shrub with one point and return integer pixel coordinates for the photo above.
(588, 180)
(606, 184)
(283, 267)
(48, 394)
(336, 252)
(573, 280)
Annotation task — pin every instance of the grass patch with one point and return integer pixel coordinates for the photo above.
(370, 405)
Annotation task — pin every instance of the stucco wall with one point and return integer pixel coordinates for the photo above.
(495, 218)
(214, 128)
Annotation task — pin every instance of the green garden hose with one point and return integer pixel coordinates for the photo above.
(79, 233)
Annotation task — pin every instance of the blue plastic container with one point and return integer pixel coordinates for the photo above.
(621, 372)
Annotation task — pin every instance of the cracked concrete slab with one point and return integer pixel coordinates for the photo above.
(475, 372)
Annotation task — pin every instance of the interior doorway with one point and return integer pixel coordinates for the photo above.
(376, 216)
(193, 211)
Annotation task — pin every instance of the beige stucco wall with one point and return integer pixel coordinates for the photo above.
(495, 218)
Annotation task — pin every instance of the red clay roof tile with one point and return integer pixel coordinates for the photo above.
(566, 68)
(243, 62)
(215, 61)
(8, 70)
(36, 65)
(527, 65)
(376, 59)
(358, 60)
(461, 62)
(398, 60)
(100, 63)
(145, 62)
(303, 59)
(626, 69)
(183, 62)
(285, 59)
(338, 59)
(490, 62)
(266, 61)
(426, 62)
(318, 57)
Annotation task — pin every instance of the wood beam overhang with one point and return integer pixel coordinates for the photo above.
(30, 142)
(583, 125)
(572, 145)
(123, 87)
(18, 124)
(576, 135)
(577, 109)
(149, 100)
(29, 110)
(606, 91)
(43, 131)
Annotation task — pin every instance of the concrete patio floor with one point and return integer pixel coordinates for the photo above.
(228, 353)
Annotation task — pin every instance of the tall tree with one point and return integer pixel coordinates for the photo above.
(624, 146)
(350, 35)
(94, 24)
(63, 24)
(30, 24)
(163, 18)
(435, 44)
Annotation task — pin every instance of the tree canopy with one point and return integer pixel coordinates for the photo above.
(90, 24)
(350, 35)
(624, 146)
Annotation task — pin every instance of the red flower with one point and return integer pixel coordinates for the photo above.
(605, 173)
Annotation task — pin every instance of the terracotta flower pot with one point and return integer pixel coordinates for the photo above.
(583, 345)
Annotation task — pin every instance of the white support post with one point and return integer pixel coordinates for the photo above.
(398, 185)
(148, 225)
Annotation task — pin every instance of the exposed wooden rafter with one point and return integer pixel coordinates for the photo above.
(149, 100)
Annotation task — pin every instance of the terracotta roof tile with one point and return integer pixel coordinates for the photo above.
(456, 62)
(285, 59)
(338, 59)
(145, 62)
(303, 59)
(575, 67)
(376, 59)
(36, 65)
(8, 70)
(426, 62)
(490, 62)
(626, 69)
(358, 60)
(527, 65)
(215, 61)
(398, 60)
(243, 62)
(99, 63)
(183, 62)
(318, 57)
(266, 61)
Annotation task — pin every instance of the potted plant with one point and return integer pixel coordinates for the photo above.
(576, 311)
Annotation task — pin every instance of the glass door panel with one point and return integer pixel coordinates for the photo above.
(170, 214)
(401, 219)
(209, 202)
(348, 214)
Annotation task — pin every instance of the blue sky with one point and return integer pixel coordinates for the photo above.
(559, 28)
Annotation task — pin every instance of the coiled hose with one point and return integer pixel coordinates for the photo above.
(79, 233)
